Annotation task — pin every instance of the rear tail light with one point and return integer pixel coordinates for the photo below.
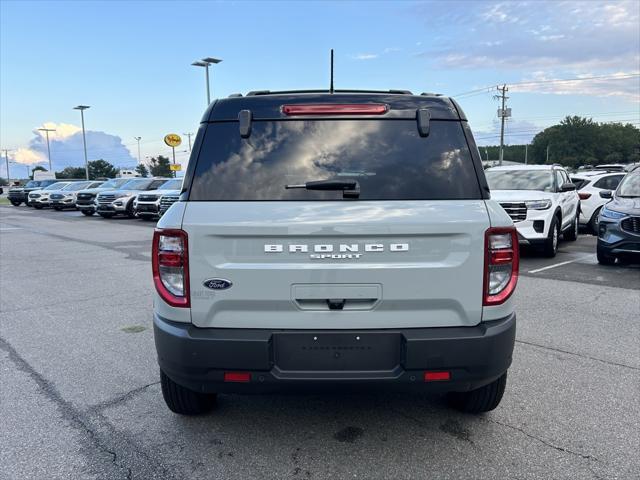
(335, 109)
(170, 263)
(584, 196)
(239, 377)
(437, 376)
(500, 265)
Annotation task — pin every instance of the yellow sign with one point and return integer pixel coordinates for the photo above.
(175, 167)
(172, 139)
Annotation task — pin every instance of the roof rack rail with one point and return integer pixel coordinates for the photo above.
(430, 94)
(235, 95)
(254, 93)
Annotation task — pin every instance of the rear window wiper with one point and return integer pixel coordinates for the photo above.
(350, 188)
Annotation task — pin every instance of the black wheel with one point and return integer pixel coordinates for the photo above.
(483, 399)
(184, 401)
(57, 209)
(595, 220)
(15, 204)
(88, 213)
(550, 246)
(572, 233)
(38, 207)
(604, 258)
(106, 215)
(130, 212)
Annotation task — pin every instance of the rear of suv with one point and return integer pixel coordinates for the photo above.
(334, 241)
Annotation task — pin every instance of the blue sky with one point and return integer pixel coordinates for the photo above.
(131, 62)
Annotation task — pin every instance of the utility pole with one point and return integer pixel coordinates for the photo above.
(189, 137)
(526, 152)
(6, 157)
(547, 153)
(47, 130)
(503, 114)
(82, 108)
(138, 140)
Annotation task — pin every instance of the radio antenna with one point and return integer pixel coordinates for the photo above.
(331, 86)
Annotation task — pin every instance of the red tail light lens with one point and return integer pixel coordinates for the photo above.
(241, 377)
(501, 264)
(335, 109)
(584, 196)
(437, 376)
(170, 264)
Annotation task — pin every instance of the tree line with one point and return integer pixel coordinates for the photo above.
(158, 167)
(576, 141)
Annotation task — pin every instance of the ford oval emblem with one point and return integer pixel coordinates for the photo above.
(217, 284)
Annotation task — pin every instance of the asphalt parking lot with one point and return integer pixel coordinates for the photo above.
(80, 396)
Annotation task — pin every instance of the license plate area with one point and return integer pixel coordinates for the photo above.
(337, 351)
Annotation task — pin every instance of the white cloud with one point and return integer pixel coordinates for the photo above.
(365, 56)
(28, 156)
(62, 130)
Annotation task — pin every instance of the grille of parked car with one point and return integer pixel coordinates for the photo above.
(85, 196)
(631, 224)
(517, 211)
(56, 196)
(106, 198)
(147, 198)
(166, 201)
(34, 195)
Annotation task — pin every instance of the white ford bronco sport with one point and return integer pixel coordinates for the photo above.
(341, 241)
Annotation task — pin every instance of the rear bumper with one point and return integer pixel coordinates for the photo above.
(197, 358)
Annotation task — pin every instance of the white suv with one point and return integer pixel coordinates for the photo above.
(540, 199)
(589, 185)
(334, 241)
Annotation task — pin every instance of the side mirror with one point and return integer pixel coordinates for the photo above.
(606, 194)
(567, 187)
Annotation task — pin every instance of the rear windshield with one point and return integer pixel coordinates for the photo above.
(580, 183)
(388, 159)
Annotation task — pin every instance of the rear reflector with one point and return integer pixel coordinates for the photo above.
(584, 196)
(237, 377)
(436, 376)
(335, 109)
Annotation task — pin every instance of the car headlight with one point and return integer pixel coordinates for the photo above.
(538, 204)
(608, 213)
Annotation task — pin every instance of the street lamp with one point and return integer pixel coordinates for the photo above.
(138, 140)
(188, 135)
(205, 62)
(82, 108)
(47, 130)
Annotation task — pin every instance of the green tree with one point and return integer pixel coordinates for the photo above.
(72, 172)
(3, 182)
(142, 170)
(578, 141)
(101, 169)
(159, 167)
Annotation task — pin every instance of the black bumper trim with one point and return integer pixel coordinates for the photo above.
(198, 357)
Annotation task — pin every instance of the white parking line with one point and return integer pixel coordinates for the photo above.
(561, 263)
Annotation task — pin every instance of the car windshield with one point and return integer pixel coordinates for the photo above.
(32, 184)
(171, 185)
(629, 186)
(136, 184)
(57, 186)
(520, 180)
(76, 186)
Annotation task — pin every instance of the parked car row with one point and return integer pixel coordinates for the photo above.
(544, 204)
(146, 198)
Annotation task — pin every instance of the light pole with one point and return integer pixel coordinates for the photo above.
(138, 140)
(205, 62)
(188, 135)
(47, 130)
(6, 157)
(82, 108)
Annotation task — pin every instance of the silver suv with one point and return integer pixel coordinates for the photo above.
(334, 241)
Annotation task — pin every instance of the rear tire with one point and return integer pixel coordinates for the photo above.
(88, 213)
(184, 401)
(550, 246)
(604, 258)
(572, 233)
(593, 223)
(483, 399)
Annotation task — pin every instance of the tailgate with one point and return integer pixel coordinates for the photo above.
(336, 265)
